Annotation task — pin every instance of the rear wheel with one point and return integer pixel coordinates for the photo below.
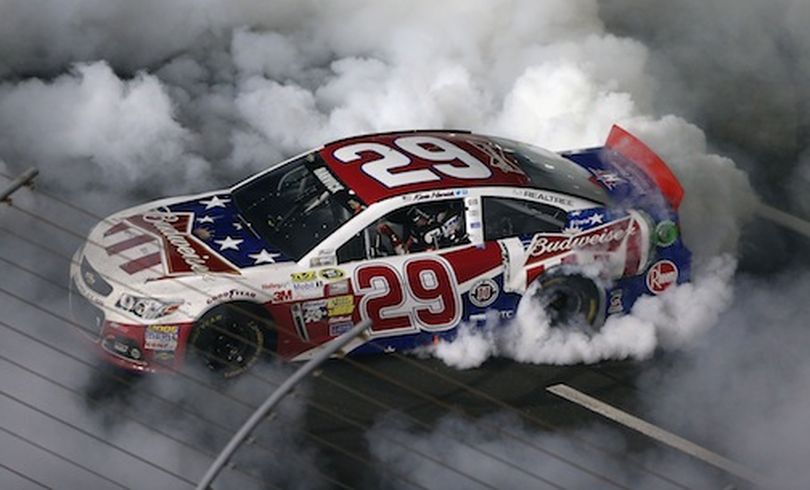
(230, 338)
(571, 301)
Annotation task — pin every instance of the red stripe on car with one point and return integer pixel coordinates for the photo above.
(137, 265)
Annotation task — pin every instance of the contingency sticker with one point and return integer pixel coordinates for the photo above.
(161, 337)
(340, 305)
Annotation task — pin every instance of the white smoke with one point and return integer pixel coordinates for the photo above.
(502, 451)
(119, 102)
(91, 123)
(674, 319)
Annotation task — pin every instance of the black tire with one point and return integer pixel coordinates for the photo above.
(230, 338)
(571, 301)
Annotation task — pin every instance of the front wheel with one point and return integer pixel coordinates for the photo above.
(230, 338)
(571, 301)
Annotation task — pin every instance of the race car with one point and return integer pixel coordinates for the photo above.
(418, 232)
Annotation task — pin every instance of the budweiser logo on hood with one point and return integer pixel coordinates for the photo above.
(184, 253)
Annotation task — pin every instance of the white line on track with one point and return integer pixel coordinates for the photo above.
(783, 219)
(575, 396)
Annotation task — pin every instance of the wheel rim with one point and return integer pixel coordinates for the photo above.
(228, 345)
(561, 304)
(570, 301)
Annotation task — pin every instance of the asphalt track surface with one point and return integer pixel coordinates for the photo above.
(498, 386)
(108, 425)
(423, 391)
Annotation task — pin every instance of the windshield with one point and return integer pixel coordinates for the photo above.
(295, 206)
(550, 171)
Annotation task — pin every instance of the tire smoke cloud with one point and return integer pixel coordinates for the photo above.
(119, 102)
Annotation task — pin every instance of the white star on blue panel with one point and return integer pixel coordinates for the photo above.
(229, 243)
(264, 257)
(215, 202)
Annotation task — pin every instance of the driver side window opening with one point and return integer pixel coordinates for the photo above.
(508, 217)
(410, 229)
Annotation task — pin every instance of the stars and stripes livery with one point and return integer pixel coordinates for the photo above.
(196, 236)
(416, 231)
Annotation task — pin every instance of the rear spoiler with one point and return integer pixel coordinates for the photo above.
(639, 154)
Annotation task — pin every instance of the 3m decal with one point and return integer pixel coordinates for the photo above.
(427, 300)
(661, 276)
(282, 295)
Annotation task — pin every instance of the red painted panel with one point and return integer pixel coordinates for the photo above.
(381, 166)
(640, 154)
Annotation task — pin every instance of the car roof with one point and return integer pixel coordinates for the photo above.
(384, 165)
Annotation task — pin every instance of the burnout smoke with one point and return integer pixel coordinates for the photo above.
(121, 102)
(672, 320)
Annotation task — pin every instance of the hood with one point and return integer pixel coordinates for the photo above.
(186, 236)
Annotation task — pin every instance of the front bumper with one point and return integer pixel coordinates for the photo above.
(131, 346)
